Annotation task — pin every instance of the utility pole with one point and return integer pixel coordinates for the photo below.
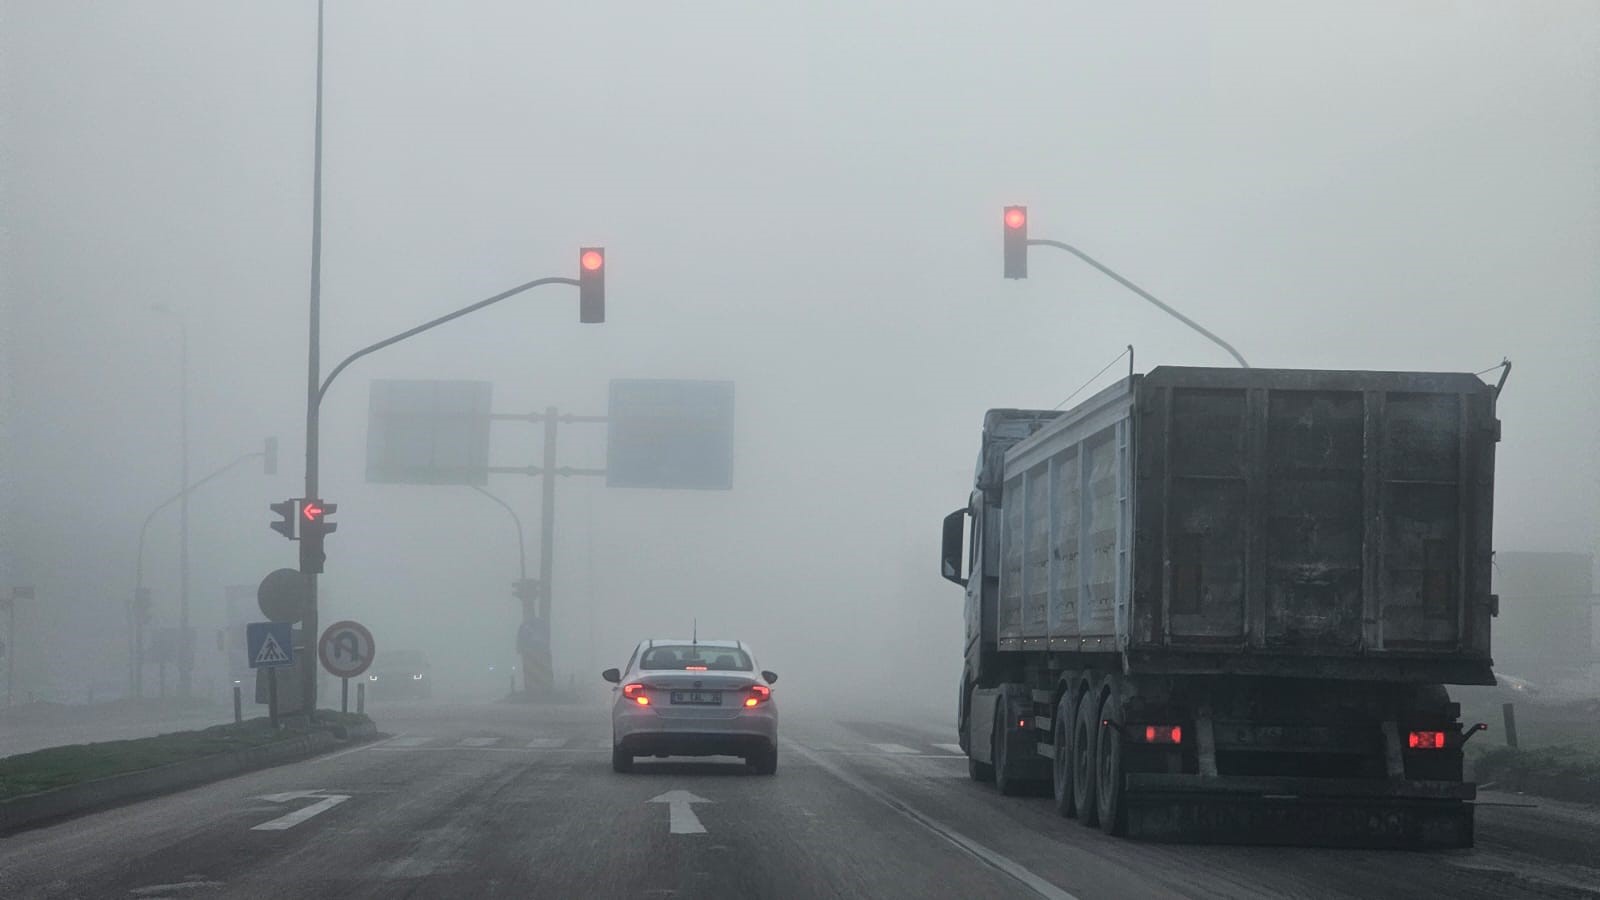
(185, 645)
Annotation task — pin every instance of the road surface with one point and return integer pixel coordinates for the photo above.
(502, 801)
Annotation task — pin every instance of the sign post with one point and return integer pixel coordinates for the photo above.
(346, 650)
(270, 646)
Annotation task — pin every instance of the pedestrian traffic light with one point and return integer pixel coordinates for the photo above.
(1016, 241)
(314, 526)
(286, 509)
(591, 285)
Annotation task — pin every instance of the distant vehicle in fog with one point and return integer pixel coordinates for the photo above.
(693, 698)
(401, 674)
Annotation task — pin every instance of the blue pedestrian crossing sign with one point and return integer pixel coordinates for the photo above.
(269, 645)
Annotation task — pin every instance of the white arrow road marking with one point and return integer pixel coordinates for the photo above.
(328, 801)
(680, 812)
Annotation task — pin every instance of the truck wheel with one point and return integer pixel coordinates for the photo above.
(1004, 782)
(1061, 766)
(1113, 812)
(1083, 764)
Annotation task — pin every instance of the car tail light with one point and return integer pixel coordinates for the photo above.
(694, 668)
(1426, 740)
(759, 694)
(1160, 734)
(635, 692)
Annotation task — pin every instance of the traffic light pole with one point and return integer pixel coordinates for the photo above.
(591, 285)
(1142, 293)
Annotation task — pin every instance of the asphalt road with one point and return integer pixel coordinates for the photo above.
(497, 801)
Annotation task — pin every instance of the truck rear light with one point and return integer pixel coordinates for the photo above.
(759, 694)
(635, 692)
(1161, 734)
(1425, 740)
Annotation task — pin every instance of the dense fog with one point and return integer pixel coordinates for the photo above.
(803, 199)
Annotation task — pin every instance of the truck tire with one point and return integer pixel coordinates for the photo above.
(1083, 762)
(1108, 789)
(1061, 765)
(1007, 784)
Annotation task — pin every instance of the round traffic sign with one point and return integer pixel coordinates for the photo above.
(346, 649)
(284, 595)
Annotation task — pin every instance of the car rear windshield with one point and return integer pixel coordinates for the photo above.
(714, 659)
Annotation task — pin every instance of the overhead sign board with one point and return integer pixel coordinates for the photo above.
(670, 434)
(269, 645)
(428, 432)
(346, 649)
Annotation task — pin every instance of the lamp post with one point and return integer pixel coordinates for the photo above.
(185, 647)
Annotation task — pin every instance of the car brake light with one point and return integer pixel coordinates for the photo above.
(635, 692)
(1426, 740)
(1162, 734)
(694, 668)
(759, 693)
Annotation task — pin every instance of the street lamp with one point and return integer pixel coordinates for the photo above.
(185, 650)
(1015, 223)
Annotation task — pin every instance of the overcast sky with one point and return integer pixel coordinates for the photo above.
(803, 198)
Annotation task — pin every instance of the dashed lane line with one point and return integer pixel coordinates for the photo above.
(1004, 864)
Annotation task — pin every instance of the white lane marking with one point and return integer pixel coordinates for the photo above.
(367, 746)
(893, 748)
(407, 741)
(479, 741)
(1010, 867)
(328, 801)
(546, 743)
(155, 890)
(951, 748)
(680, 812)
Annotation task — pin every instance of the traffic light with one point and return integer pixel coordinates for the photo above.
(1016, 231)
(314, 526)
(591, 285)
(286, 509)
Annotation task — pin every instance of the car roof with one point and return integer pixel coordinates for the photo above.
(686, 642)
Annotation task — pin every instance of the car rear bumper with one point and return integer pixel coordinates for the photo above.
(646, 732)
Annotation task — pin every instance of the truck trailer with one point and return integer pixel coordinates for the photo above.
(1223, 604)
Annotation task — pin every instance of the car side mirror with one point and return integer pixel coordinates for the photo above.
(771, 677)
(611, 675)
(950, 558)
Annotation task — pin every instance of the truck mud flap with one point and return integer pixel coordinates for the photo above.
(1295, 811)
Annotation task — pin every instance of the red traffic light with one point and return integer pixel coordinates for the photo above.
(592, 260)
(311, 511)
(591, 284)
(1016, 217)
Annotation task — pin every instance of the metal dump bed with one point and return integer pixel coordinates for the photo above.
(1296, 522)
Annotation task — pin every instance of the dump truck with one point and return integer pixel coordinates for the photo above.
(1223, 604)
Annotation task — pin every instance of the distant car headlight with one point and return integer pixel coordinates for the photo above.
(372, 678)
(417, 677)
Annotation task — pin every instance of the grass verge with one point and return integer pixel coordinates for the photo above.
(1563, 771)
(55, 767)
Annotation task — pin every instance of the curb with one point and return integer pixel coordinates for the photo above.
(32, 809)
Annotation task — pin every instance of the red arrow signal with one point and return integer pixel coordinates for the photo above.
(311, 511)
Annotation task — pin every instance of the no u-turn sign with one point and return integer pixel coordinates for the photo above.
(346, 649)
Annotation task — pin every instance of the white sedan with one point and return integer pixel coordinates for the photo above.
(693, 698)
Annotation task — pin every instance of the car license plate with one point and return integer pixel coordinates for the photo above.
(697, 698)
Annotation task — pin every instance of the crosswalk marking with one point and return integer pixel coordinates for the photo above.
(951, 748)
(892, 748)
(547, 743)
(479, 741)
